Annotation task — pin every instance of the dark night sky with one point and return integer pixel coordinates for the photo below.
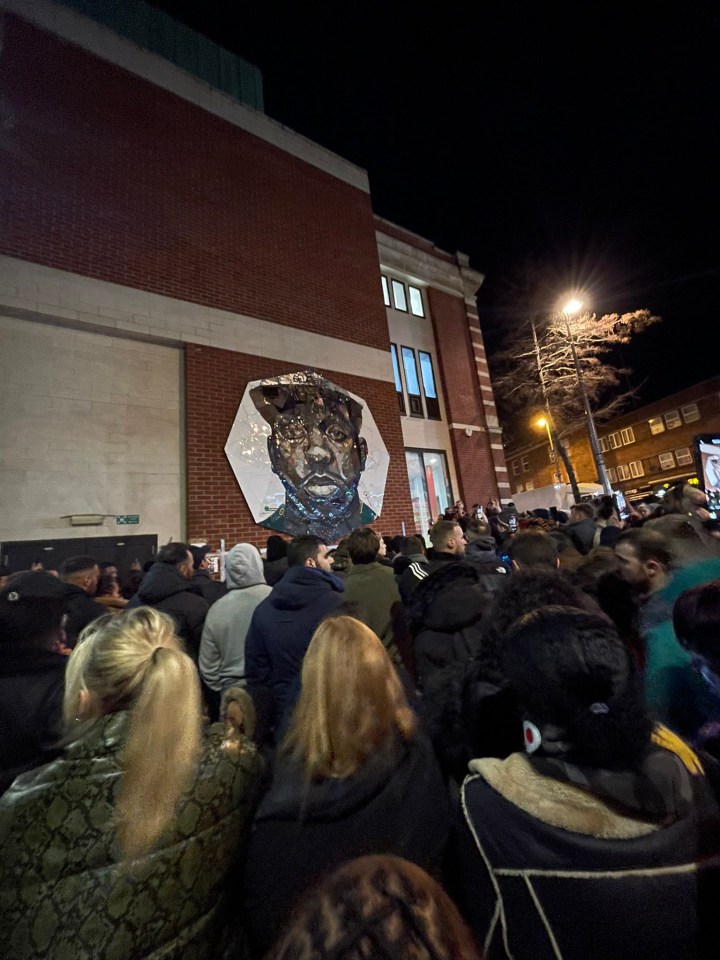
(583, 135)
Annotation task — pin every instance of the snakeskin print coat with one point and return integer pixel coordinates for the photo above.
(63, 891)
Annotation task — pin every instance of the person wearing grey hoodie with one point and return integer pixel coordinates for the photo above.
(222, 647)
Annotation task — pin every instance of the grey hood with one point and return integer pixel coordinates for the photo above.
(243, 567)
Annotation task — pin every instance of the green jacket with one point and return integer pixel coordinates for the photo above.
(373, 588)
(63, 893)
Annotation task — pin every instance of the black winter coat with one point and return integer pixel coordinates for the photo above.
(166, 590)
(32, 683)
(444, 615)
(396, 804)
(209, 589)
(81, 610)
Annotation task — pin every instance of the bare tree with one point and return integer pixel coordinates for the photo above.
(536, 370)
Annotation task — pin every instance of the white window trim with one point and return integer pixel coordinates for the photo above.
(657, 425)
(670, 463)
(636, 468)
(627, 435)
(692, 415)
(686, 455)
(673, 416)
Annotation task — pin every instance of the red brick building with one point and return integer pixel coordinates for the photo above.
(645, 450)
(163, 243)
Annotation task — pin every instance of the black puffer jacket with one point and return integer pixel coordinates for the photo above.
(81, 610)
(166, 590)
(444, 615)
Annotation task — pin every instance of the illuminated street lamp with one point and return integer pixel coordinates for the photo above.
(543, 422)
(571, 308)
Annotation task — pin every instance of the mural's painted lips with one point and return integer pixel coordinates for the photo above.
(322, 486)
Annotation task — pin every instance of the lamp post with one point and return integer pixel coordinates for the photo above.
(544, 422)
(571, 308)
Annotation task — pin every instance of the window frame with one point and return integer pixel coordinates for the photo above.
(629, 433)
(393, 282)
(398, 377)
(673, 415)
(654, 423)
(636, 469)
(604, 444)
(432, 404)
(666, 466)
(623, 472)
(525, 462)
(411, 396)
(612, 474)
(690, 406)
(615, 441)
(687, 457)
(411, 286)
(386, 290)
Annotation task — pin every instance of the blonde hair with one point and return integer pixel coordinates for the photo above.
(351, 703)
(376, 906)
(133, 661)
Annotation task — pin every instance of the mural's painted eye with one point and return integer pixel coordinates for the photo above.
(294, 430)
(336, 433)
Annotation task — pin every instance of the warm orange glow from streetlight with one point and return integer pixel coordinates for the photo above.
(572, 307)
(541, 422)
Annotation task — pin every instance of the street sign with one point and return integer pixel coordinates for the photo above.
(128, 518)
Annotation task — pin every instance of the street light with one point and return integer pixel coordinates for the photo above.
(571, 308)
(543, 422)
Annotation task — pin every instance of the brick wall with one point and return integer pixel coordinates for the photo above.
(473, 455)
(215, 381)
(109, 176)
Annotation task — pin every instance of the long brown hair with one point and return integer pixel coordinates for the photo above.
(134, 662)
(352, 702)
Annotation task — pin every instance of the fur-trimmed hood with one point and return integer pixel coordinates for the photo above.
(555, 802)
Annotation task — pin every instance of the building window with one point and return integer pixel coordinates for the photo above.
(667, 460)
(690, 413)
(612, 475)
(530, 485)
(672, 419)
(615, 440)
(386, 292)
(520, 488)
(516, 468)
(411, 381)
(636, 468)
(683, 456)
(416, 301)
(432, 404)
(656, 425)
(552, 455)
(604, 444)
(525, 465)
(398, 379)
(627, 436)
(623, 472)
(429, 486)
(398, 292)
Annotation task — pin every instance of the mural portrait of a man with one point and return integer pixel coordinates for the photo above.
(316, 449)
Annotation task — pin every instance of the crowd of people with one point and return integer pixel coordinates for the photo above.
(503, 742)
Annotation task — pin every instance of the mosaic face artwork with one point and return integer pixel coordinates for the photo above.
(308, 456)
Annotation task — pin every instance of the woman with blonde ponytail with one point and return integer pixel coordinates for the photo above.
(354, 776)
(122, 846)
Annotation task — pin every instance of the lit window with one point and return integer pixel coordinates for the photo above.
(520, 488)
(416, 302)
(612, 475)
(429, 486)
(386, 292)
(667, 460)
(411, 381)
(615, 440)
(656, 425)
(637, 469)
(672, 419)
(398, 291)
(516, 468)
(604, 444)
(530, 485)
(623, 472)
(683, 456)
(428, 379)
(690, 413)
(525, 465)
(627, 435)
(396, 375)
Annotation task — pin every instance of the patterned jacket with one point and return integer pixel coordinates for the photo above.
(63, 892)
